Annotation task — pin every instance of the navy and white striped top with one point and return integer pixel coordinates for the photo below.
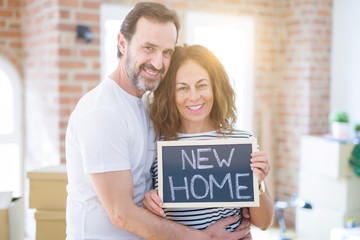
(201, 218)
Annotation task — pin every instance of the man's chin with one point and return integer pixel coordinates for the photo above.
(151, 86)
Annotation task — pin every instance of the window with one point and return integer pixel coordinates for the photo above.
(11, 163)
(231, 39)
(112, 17)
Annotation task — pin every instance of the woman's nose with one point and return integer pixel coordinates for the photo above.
(194, 94)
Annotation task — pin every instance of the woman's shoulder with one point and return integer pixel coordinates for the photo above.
(237, 133)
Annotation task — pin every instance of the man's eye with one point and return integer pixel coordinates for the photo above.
(168, 53)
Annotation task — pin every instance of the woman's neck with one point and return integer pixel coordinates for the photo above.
(191, 128)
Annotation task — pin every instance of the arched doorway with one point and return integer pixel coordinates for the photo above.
(11, 130)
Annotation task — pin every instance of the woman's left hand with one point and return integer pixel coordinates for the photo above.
(260, 165)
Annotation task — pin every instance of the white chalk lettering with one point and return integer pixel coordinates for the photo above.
(184, 157)
(203, 159)
(172, 188)
(239, 187)
(207, 186)
(223, 161)
(192, 188)
(213, 181)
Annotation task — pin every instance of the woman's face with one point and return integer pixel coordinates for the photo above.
(194, 97)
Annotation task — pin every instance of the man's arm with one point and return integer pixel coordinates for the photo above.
(118, 203)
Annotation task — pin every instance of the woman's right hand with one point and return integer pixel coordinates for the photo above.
(153, 203)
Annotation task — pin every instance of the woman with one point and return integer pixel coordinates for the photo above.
(195, 101)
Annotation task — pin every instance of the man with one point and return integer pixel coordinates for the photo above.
(109, 141)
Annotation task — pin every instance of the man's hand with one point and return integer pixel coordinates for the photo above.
(247, 237)
(218, 230)
(245, 222)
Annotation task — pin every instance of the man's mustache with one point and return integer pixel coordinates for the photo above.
(149, 66)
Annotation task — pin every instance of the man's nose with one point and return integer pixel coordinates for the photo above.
(157, 61)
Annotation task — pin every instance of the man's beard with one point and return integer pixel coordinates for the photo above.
(137, 80)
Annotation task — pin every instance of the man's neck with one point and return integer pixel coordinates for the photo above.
(122, 79)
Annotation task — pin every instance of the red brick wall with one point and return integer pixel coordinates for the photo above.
(10, 32)
(302, 103)
(41, 77)
(79, 62)
(291, 71)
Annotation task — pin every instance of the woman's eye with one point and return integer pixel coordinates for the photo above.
(182, 89)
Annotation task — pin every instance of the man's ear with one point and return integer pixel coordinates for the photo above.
(121, 43)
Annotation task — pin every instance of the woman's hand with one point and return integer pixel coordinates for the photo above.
(153, 203)
(260, 165)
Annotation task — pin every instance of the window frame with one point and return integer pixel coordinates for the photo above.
(109, 12)
(17, 136)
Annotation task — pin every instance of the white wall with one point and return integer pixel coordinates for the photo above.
(345, 58)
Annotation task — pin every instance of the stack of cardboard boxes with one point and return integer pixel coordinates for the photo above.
(327, 181)
(12, 220)
(48, 196)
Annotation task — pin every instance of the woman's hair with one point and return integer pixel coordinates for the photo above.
(163, 111)
(151, 11)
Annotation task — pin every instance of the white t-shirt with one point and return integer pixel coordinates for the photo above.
(109, 130)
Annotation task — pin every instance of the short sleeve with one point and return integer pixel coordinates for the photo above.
(103, 141)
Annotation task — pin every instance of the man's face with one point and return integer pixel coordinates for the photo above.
(148, 54)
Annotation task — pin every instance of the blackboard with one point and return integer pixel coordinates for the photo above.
(207, 173)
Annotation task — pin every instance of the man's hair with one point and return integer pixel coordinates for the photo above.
(163, 110)
(151, 11)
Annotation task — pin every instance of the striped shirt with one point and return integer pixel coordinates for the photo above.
(201, 218)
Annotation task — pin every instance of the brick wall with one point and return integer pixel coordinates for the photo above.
(41, 79)
(291, 71)
(10, 32)
(79, 62)
(302, 103)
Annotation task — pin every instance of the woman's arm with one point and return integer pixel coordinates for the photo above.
(263, 215)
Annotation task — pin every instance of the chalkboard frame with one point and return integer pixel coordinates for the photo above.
(255, 183)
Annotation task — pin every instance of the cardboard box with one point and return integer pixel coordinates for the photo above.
(12, 221)
(4, 224)
(50, 225)
(318, 222)
(338, 195)
(325, 157)
(48, 188)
